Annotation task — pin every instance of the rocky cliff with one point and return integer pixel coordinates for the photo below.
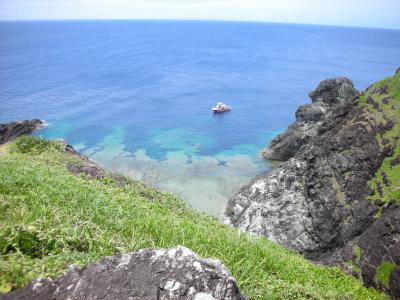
(329, 101)
(335, 197)
(11, 131)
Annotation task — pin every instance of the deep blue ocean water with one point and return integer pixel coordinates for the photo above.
(136, 95)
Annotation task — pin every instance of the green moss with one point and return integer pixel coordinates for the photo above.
(378, 214)
(357, 252)
(354, 263)
(383, 273)
(51, 219)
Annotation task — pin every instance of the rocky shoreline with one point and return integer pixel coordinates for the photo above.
(316, 202)
(11, 131)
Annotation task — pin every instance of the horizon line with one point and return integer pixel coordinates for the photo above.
(198, 20)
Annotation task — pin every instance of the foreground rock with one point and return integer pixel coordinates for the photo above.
(150, 274)
(11, 131)
(315, 201)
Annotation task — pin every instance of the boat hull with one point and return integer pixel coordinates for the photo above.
(220, 110)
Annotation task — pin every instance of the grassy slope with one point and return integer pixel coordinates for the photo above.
(390, 87)
(386, 181)
(51, 219)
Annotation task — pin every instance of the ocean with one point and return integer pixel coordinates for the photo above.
(136, 96)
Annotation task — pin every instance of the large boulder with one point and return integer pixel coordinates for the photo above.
(331, 98)
(10, 131)
(148, 274)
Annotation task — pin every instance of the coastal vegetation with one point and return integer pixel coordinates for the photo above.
(54, 213)
(386, 182)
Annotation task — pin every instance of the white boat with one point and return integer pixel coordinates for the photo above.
(221, 107)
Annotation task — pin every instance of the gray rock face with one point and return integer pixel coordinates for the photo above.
(334, 91)
(379, 244)
(150, 274)
(11, 131)
(330, 95)
(286, 219)
(304, 204)
(314, 202)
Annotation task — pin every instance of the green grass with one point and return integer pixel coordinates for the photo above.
(383, 273)
(391, 111)
(51, 219)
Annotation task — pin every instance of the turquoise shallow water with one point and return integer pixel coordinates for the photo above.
(136, 95)
(204, 181)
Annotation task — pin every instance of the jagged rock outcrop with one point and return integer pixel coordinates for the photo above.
(315, 202)
(148, 274)
(11, 131)
(331, 97)
(300, 204)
